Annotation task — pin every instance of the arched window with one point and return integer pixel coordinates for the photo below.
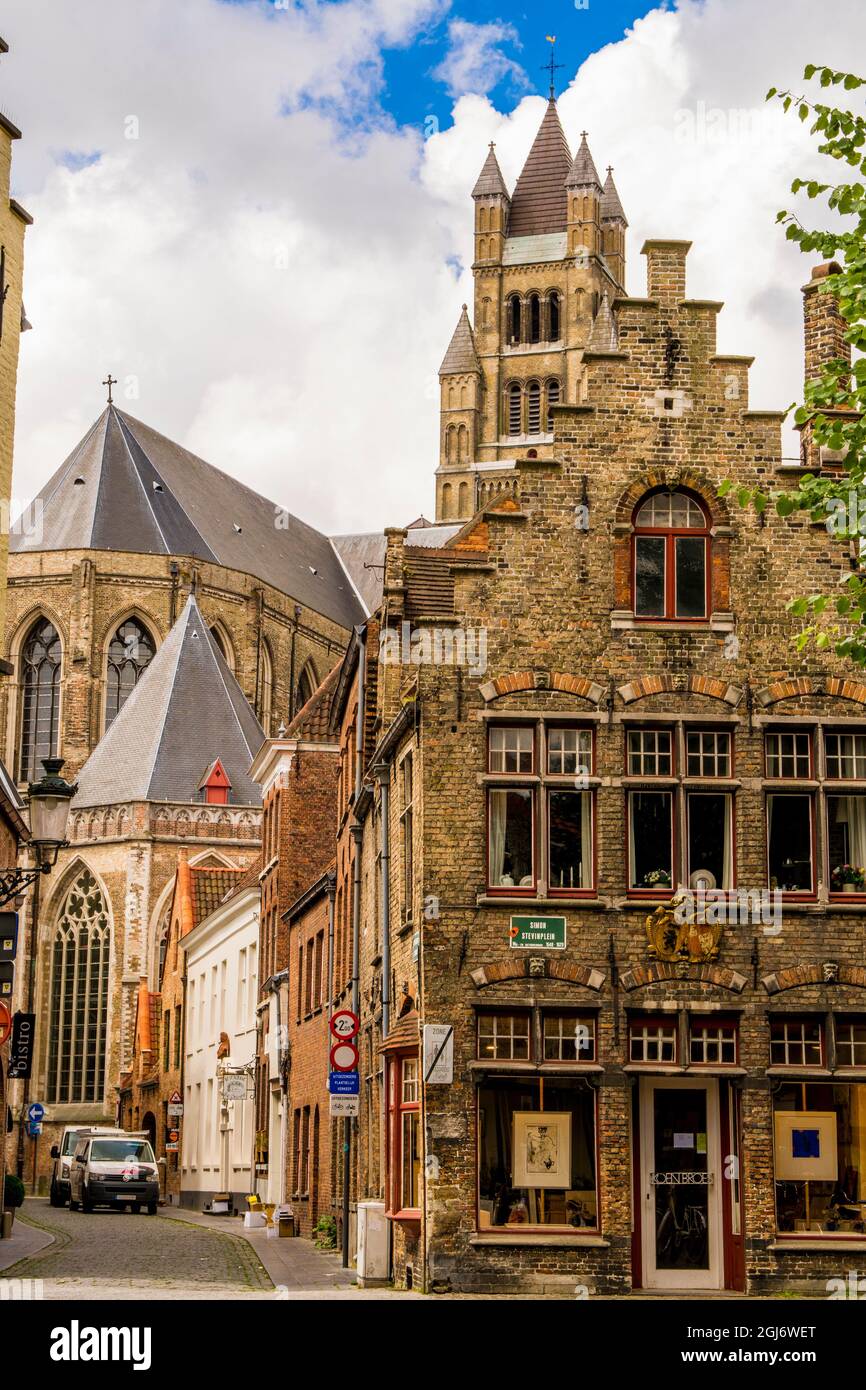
(40, 699)
(514, 402)
(266, 687)
(552, 399)
(513, 314)
(671, 557)
(463, 500)
(533, 408)
(447, 502)
(462, 444)
(305, 688)
(534, 318)
(79, 996)
(130, 652)
(553, 311)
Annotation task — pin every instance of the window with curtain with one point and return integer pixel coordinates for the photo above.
(671, 558)
(790, 843)
(78, 996)
(40, 672)
(130, 652)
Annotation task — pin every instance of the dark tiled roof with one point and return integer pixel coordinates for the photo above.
(539, 202)
(490, 180)
(583, 172)
(127, 487)
(611, 207)
(312, 723)
(186, 710)
(429, 581)
(461, 355)
(209, 887)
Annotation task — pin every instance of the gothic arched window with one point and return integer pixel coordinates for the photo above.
(266, 687)
(79, 996)
(40, 699)
(305, 689)
(514, 401)
(533, 408)
(671, 557)
(130, 652)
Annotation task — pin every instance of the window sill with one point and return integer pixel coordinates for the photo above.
(623, 621)
(823, 1242)
(406, 929)
(504, 1067)
(406, 1218)
(511, 899)
(561, 1238)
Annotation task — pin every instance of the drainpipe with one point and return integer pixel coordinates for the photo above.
(331, 890)
(383, 772)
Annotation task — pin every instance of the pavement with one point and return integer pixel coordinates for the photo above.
(25, 1241)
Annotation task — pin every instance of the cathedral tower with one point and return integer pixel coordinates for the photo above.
(549, 261)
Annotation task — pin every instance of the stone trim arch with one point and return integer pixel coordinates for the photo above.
(14, 648)
(661, 971)
(826, 973)
(570, 972)
(792, 686)
(708, 686)
(565, 681)
(684, 479)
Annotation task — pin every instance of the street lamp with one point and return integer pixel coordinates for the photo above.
(49, 813)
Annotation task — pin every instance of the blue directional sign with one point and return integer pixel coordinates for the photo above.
(344, 1083)
(34, 1129)
(36, 1113)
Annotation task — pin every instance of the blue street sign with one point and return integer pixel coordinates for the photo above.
(344, 1083)
(34, 1129)
(35, 1112)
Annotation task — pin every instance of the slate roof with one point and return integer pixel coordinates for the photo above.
(127, 487)
(186, 710)
(611, 207)
(363, 557)
(461, 355)
(603, 335)
(490, 180)
(539, 202)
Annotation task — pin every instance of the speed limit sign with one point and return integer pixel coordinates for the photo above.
(344, 1025)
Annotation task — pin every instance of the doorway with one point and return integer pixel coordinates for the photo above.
(681, 1187)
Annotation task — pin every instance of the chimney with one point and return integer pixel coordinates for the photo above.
(666, 270)
(824, 328)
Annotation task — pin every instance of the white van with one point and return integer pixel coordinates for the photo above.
(58, 1193)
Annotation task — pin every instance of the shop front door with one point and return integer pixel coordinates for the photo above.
(681, 1184)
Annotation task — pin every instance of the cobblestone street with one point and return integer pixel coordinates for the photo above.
(114, 1255)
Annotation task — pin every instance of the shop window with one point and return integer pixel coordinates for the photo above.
(790, 848)
(650, 840)
(708, 754)
(671, 545)
(652, 1040)
(568, 1038)
(796, 1042)
(820, 1158)
(649, 753)
(404, 1139)
(511, 850)
(511, 748)
(504, 1037)
(710, 855)
(846, 755)
(851, 1042)
(846, 843)
(536, 1154)
(712, 1042)
(569, 841)
(569, 752)
(788, 755)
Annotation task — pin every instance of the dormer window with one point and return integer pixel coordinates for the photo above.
(671, 558)
(215, 785)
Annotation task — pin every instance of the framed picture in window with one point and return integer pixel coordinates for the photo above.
(806, 1146)
(542, 1148)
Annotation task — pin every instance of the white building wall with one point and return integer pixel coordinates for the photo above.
(221, 966)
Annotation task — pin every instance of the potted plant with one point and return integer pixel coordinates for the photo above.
(13, 1197)
(657, 878)
(848, 878)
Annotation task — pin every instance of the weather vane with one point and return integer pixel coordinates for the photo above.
(109, 382)
(552, 66)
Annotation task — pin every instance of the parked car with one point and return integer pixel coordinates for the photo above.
(112, 1171)
(58, 1193)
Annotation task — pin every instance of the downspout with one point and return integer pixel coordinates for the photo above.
(331, 890)
(383, 772)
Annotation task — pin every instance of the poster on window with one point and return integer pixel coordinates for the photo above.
(542, 1148)
(806, 1146)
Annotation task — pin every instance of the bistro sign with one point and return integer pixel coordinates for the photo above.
(537, 933)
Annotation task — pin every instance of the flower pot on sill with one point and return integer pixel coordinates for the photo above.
(849, 887)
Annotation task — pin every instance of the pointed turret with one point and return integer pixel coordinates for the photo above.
(539, 205)
(583, 173)
(492, 205)
(584, 203)
(603, 335)
(490, 181)
(461, 355)
(611, 207)
(460, 399)
(613, 225)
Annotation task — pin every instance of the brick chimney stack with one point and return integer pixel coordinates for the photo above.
(666, 270)
(824, 326)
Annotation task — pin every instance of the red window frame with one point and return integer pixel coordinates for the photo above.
(528, 890)
(397, 1108)
(799, 894)
(512, 724)
(671, 534)
(641, 1021)
(661, 890)
(810, 737)
(566, 727)
(714, 1021)
(589, 890)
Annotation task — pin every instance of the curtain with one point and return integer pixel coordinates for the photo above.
(727, 876)
(498, 811)
(855, 809)
(586, 839)
(632, 873)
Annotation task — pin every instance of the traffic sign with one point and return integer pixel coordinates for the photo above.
(35, 1112)
(344, 1025)
(8, 935)
(345, 1107)
(344, 1056)
(438, 1054)
(175, 1098)
(344, 1083)
(175, 1112)
(171, 1147)
(5, 1022)
(34, 1129)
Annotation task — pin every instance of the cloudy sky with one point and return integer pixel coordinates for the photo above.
(256, 214)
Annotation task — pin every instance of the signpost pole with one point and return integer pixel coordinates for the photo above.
(29, 963)
(2, 1129)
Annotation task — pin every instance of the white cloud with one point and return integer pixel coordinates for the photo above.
(475, 61)
(282, 286)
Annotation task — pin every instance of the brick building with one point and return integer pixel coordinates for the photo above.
(647, 1092)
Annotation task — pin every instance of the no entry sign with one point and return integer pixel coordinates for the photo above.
(6, 1023)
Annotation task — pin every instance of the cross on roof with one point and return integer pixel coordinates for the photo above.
(109, 382)
(552, 66)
